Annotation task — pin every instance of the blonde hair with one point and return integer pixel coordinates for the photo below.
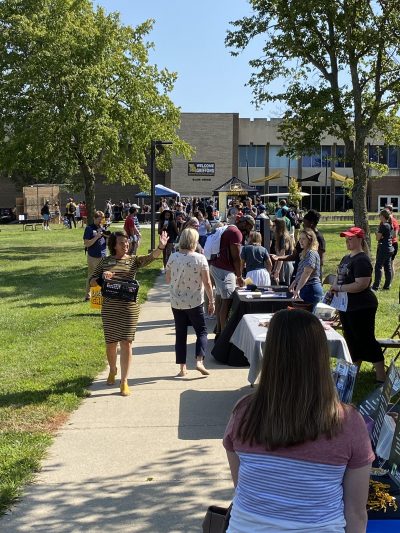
(312, 241)
(255, 238)
(188, 239)
(98, 214)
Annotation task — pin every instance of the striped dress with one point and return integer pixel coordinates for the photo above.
(119, 317)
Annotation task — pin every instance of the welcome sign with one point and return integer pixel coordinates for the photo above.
(201, 169)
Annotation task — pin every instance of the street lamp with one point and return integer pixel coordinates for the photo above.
(154, 144)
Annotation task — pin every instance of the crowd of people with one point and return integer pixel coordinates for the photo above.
(290, 254)
(323, 443)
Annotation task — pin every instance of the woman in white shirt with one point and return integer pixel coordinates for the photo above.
(204, 227)
(188, 275)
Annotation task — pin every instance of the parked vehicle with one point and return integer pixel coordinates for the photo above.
(6, 215)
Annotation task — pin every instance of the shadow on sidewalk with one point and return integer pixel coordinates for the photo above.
(136, 501)
(203, 414)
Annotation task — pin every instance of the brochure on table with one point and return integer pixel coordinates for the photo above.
(375, 407)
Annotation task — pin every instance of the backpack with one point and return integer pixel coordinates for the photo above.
(213, 243)
(293, 217)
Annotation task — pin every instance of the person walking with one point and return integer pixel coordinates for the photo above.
(45, 212)
(120, 317)
(94, 240)
(395, 235)
(188, 275)
(358, 319)
(132, 230)
(70, 213)
(384, 251)
(167, 223)
(300, 460)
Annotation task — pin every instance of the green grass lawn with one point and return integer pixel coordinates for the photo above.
(51, 343)
(52, 346)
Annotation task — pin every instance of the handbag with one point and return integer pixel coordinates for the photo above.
(216, 519)
(126, 291)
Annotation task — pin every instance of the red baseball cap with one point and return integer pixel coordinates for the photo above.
(353, 232)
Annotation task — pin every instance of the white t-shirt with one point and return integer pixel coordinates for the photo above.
(186, 287)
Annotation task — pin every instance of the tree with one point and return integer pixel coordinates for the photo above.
(294, 191)
(78, 96)
(336, 63)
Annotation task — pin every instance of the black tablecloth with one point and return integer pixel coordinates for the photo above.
(390, 513)
(225, 352)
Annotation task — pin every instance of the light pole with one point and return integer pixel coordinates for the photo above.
(154, 144)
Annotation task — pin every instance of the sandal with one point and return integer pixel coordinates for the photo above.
(182, 374)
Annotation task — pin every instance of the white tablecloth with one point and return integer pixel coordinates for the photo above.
(250, 338)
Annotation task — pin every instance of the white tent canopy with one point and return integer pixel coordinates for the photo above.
(282, 194)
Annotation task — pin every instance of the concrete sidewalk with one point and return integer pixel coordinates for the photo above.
(151, 462)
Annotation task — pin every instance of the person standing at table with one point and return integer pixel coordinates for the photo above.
(310, 221)
(307, 283)
(358, 319)
(257, 261)
(187, 272)
(300, 459)
(226, 269)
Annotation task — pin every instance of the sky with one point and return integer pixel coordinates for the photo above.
(189, 39)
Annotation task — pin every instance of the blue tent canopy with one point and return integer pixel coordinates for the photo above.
(160, 190)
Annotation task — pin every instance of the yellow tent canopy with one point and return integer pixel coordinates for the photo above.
(272, 176)
(339, 177)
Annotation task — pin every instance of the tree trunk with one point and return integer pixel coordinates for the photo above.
(359, 195)
(89, 188)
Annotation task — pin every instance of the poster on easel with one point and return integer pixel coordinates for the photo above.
(390, 388)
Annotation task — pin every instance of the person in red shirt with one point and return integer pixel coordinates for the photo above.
(226, 269)
(132, 231)
(395, 234)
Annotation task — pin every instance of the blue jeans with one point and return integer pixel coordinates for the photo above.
(184, 318)
(312, 294)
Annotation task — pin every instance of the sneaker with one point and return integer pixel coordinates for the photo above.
(386, 288)
(162, 271)
(374, 289)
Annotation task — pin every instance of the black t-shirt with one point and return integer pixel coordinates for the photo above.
(350, 268)
(386, 242)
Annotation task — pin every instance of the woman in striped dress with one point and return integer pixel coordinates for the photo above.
(300, 459)
(120, 317)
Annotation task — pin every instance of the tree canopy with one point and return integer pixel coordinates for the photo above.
(335, 65)
(78, 96)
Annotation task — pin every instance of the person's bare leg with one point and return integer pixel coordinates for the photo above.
(380, 371)
(125, 359)
(111, 350)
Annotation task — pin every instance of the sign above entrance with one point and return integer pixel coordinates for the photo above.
(201, 169)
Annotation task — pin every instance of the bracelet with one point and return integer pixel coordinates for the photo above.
(158, 248)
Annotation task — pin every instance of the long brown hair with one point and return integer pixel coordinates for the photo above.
(282, 236)
(296, 400)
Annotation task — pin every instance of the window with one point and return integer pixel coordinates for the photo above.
(340, 161)
(252, 156)
(318, 158)
(278, 161)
